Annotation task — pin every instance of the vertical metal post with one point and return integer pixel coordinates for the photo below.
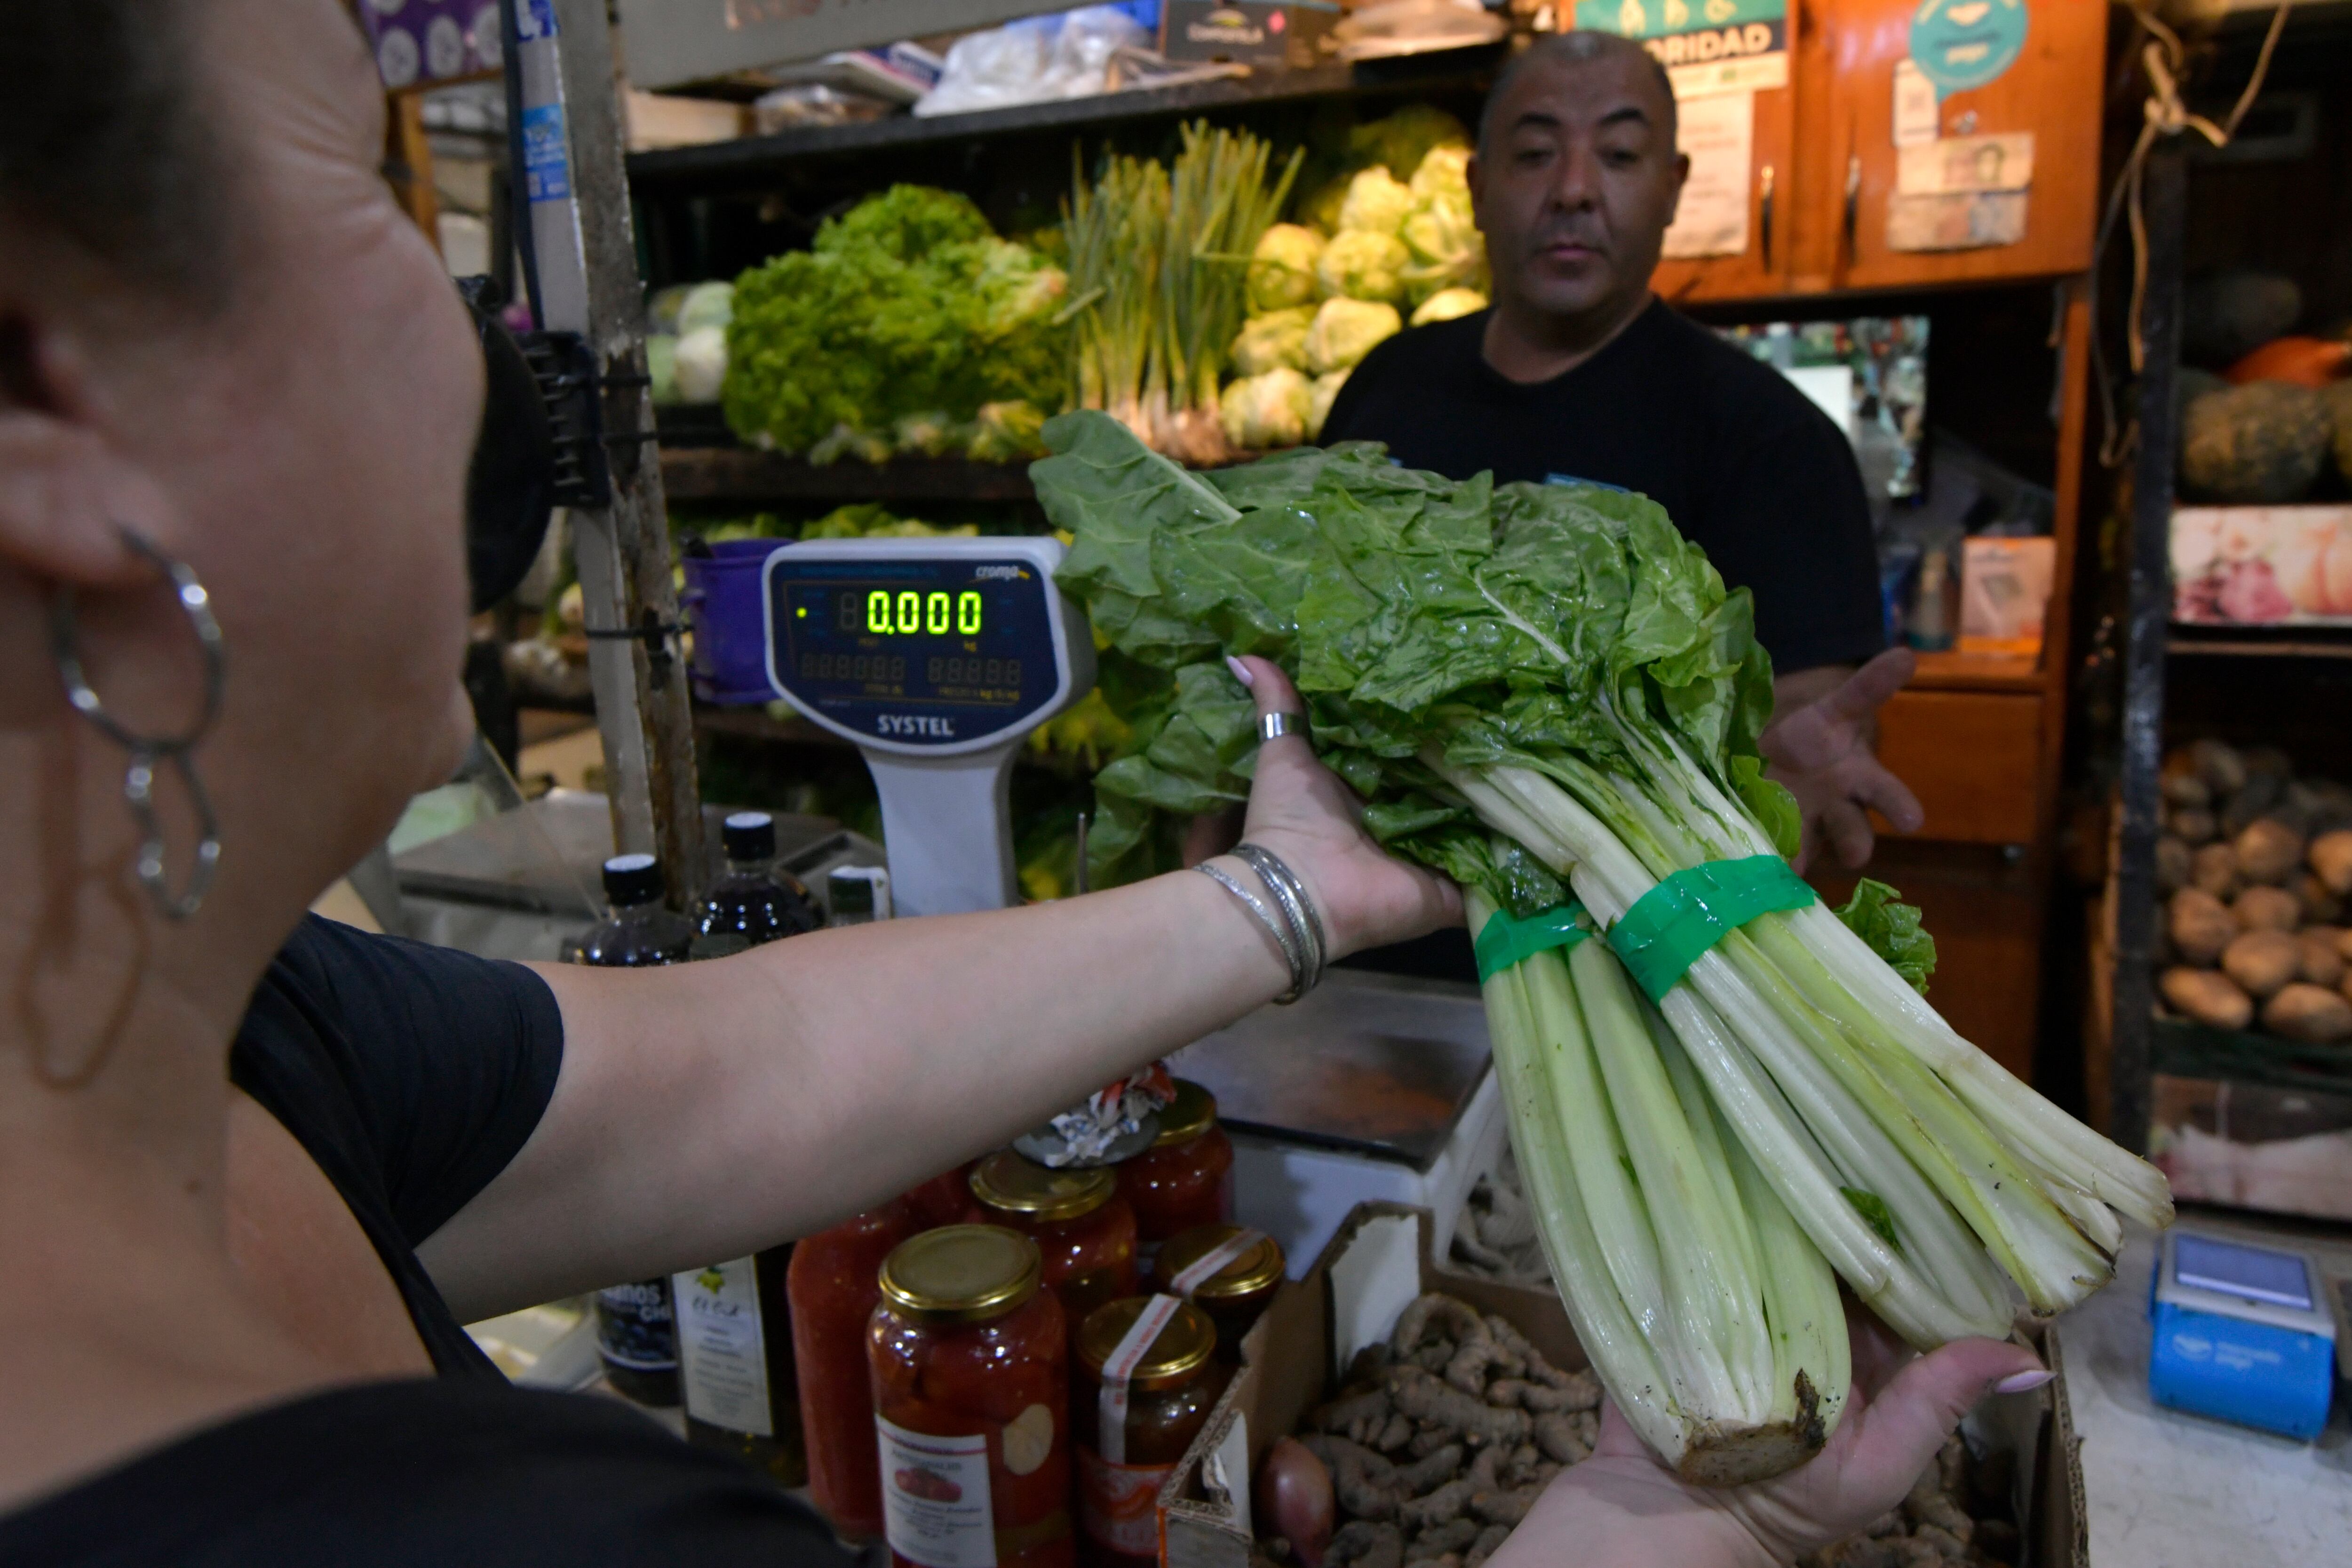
(2164, 196)
(584, 247)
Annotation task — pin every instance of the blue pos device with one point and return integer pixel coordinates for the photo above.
(2243, 1333)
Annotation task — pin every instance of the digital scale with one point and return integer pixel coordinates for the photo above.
(2243, 1333)
(936, 658)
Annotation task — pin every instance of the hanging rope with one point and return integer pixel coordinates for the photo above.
(2162, 59)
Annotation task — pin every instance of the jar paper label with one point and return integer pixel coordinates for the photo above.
(1111, 1404)
(1118, 1505)
(935, 1504)
(722, 1355)
(633, 1326)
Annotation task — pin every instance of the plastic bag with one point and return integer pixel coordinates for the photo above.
(1033, 61)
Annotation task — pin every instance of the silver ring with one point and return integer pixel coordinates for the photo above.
(1274, 726)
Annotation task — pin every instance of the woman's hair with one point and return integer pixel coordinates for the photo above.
(103, 139)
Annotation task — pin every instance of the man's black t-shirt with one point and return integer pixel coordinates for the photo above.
(1743, 462)
(413, 1075)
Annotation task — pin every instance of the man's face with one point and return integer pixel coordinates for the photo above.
(1576, 185)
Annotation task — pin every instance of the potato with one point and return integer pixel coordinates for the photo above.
(2330, 855)
(2171, 864)
(2268, 850)
(2214, 870)
(2193, 828)
(2200, 924)
(2344, 947)
(2243, 808)
(2320, 907)
(2262, 961)
(2267, 909)
(2308, 1013)
(2185, 789)
(2314, 946)
(2268, 762)
(2219, 764)
(2207, 997)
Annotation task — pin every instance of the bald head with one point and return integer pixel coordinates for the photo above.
(1581, 48)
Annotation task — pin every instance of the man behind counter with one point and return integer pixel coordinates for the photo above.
(1578, 372)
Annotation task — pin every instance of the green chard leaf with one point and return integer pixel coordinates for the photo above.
(1774, 808)
(1873, 1208)
(1892, 929)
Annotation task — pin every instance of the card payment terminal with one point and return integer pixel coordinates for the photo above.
(2243, 1333)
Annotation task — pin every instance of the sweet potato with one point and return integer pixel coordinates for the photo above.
(2316, 948)
(2208, 997)
(2262, 961)
(2200, 924)
(2330, 855)
(2213, 869)
(2267, 909)
(2267, 850)
(2311, 1013)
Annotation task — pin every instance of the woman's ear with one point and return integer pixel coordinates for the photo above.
(65, 493)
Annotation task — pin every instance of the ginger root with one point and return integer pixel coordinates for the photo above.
(1432, 1400)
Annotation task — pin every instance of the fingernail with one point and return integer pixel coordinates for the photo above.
(1241, 671)
(2020, 1381)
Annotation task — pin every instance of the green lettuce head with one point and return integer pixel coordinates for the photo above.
(1273, 340)
(1345, 330)
(1282, 269)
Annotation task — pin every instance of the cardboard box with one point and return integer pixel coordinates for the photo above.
(2262, 565)
(1377, 1264)
(2005, 594)
(1248, 32)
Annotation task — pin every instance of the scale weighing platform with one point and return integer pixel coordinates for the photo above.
(937, 658)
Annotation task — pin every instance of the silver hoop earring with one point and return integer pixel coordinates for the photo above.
(147, 751)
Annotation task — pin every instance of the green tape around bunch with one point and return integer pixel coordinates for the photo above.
(1507, 940)
(1675, 924)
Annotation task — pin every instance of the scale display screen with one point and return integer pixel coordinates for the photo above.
(940, 652)
(2248, 1273)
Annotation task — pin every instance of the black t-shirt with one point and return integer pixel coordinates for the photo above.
(1742, 461)
(413, 1075)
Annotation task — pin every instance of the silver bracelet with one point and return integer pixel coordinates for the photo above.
(1290, 894)
(1276, 926)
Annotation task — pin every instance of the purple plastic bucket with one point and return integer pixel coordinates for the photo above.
(721, 602)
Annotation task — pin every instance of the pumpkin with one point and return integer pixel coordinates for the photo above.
(2306, 362)
(2260, 443)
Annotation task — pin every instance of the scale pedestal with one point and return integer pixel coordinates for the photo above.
(953, 873)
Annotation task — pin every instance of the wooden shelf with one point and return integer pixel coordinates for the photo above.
(752, 477)
(1952, 672)
(2309, 644)
(751, 161)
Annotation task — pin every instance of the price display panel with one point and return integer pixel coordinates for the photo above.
(927, 653)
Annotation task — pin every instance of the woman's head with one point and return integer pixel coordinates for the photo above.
(218, 328)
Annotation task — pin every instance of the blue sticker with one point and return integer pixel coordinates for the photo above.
(535, 19)
(546, 154)
(1961, 43)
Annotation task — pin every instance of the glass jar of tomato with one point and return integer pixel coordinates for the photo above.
(1081, 1225)
(833, 1284)
(970, 1363)
(1131, 1422)
(942, 1200)
(1233, 1294)
(1186, 1177)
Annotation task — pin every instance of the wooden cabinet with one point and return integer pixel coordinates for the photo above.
(1763, 267)
(1847, 66)
(1973, 758)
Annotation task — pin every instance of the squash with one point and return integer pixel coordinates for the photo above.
(2339, 398)
(2260, 443)
(2307, 362)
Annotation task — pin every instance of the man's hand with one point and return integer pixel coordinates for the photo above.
(1819, 747)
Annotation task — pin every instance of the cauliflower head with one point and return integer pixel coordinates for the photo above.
(1345, 330)
(1360, 265)
(1272, 341)
(1282, 269)
(1262, 412)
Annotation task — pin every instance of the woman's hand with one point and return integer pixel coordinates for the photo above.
(1299, 810)
(1624, 1508)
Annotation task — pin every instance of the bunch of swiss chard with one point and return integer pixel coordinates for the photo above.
(1548, 694)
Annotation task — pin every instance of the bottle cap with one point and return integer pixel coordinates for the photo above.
(1254, 1269)
(1192, 1113)
(749, 836)
(1013, 1184)
(850, 892)
(1183, 1346)
(633, 880)
(961, 1273)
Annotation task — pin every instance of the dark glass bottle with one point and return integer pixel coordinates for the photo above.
(754, 901)
(735, 1367)
(635, 1332)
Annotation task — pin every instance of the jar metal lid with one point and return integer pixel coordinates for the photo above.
(1192, 1113)
(962, 1273)
(1183, 1346)
(1013, 1183)
(1259, 1268)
